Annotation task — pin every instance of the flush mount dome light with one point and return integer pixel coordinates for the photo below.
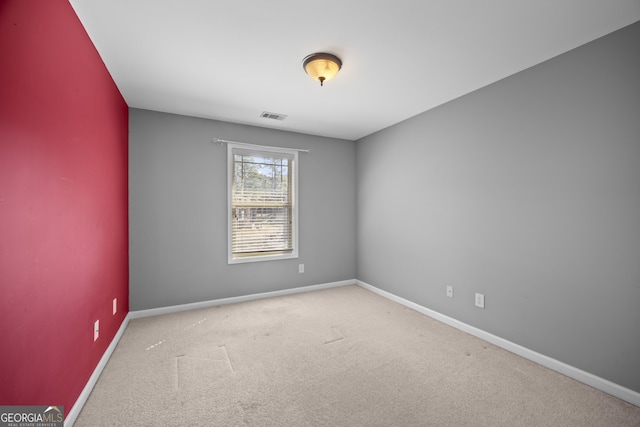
(321, 66)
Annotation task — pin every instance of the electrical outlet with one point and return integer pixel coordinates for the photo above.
(450, 291)
(480, 300)
(96, 330)
(115, 305)
(300, 268)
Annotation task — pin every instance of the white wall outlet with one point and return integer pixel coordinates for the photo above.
(300, 268)
(115, 305)
(480, 300)
(450, 291)
(96, 330)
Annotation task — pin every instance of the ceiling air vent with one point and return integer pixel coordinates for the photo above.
(274, 116)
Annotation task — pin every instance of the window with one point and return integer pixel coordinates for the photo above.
(262, 203)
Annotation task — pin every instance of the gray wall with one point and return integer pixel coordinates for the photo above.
(528, 191)
(178, 212)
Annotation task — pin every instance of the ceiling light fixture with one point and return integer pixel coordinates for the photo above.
(321, 66)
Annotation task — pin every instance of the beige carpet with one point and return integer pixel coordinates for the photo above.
(336, 357)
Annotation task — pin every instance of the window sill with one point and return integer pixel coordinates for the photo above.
(260, 258)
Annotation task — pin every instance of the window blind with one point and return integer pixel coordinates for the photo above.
(261, 203)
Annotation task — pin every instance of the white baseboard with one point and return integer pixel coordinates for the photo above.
(594, 381)
(232, 300)
(88, 388)
(570, 371)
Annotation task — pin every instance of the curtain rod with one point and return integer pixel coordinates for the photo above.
(224, 141)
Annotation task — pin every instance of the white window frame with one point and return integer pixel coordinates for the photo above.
(261, 150)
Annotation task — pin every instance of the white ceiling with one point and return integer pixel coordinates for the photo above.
(231, 60)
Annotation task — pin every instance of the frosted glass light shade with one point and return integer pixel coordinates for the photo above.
(322, 66)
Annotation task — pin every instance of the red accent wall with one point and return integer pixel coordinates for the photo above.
(63, 204)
